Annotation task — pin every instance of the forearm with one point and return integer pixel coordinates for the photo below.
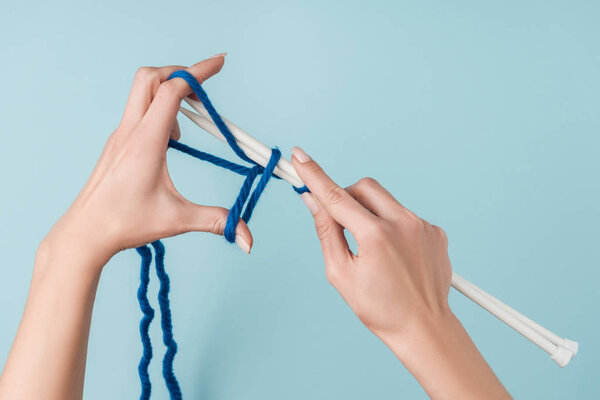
(441, 356)
(47, 359)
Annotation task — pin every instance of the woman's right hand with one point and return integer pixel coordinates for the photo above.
(401, 272)
(398, 281)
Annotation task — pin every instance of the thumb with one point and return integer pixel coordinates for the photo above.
(197, 218)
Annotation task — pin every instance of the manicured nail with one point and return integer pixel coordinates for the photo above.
(310, 202)
(240, 241)
(300, 155)
(217, 56)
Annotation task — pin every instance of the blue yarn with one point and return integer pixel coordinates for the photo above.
(238, 169)
(246, 196)
(251, 173)
(166, 323)
(203, 97)
(142, 294)
(262, 183)
(301, 190)
(234, 212)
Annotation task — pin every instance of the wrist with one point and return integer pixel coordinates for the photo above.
(426, 326)
(439, 353)
(72, 242)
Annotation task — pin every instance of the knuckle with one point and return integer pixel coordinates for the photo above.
(146, 74)
(167, 89)
(375, 230)
(111, 144)
(398, 216)
(112, 139)
(218, 226)
(367, 182)
(413, 223)
(335, 195)
(333, 274)
(441, 233)
(323, 230)
(312, 167)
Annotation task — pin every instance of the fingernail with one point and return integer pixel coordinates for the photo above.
(310, 202)
(300, 155)
(240, 241)
(217, 56)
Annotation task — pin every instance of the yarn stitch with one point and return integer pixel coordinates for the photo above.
(246, 196)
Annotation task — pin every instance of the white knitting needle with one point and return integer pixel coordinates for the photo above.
(252, 147)
(557, 340)
(561, 350)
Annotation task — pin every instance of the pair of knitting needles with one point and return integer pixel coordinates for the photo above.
(561, 350)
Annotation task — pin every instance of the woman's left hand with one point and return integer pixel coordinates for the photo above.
(130, 199)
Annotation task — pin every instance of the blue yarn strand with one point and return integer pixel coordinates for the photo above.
(148, 311)
(236, 210)
(199, 91)
(221, 162)
(301, 190)
(166, 321)
(262, 184)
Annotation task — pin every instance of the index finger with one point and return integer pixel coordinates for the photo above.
(145, 84)
(339, 204)
(164, 108)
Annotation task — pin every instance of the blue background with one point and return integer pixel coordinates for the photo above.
(482, 117)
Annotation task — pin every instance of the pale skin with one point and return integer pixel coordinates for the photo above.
(397, 283)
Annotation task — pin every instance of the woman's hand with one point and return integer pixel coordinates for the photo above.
(401, 271)
(130, 199)
(397, 283)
